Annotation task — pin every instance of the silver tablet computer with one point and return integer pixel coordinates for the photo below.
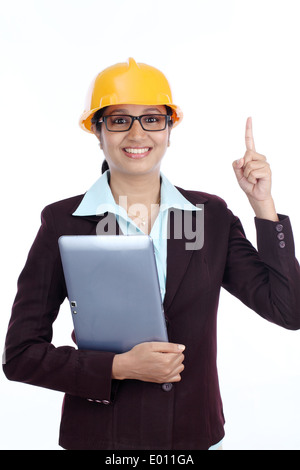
(113, 290)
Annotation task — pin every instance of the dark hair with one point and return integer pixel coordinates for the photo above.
(95, 120)
(105, 166)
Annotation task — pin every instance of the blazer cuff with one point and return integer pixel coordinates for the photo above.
(94, 380)
(275, 240)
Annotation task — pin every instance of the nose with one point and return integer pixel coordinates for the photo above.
(136, 130)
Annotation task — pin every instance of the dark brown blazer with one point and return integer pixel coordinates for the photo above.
(100, 413)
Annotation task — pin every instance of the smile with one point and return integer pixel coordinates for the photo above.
(134, 152)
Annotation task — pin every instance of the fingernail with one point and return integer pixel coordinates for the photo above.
(181, 347)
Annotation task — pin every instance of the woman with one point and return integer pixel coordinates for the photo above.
(157, 395)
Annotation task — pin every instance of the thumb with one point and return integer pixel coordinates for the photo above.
(165, 347)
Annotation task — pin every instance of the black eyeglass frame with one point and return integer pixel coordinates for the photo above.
(136, 118)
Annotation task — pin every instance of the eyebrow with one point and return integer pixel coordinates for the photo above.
(117, 111)
(152, 109)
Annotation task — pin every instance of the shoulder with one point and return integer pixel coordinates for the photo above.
(58, 215)
(215, 210)
(200, 197)
(64, 206)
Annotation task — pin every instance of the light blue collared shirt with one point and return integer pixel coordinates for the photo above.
(99, 199)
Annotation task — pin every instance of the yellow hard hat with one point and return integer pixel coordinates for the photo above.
(128, 83)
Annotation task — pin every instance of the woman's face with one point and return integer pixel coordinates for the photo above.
(135, 151)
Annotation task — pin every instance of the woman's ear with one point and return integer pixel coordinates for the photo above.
(169, 142)
(169, 134)
(97, 134)
(93, 129)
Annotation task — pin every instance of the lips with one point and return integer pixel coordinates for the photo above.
(137, 152)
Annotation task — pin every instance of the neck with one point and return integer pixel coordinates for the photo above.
(139, 196)
(137, 189)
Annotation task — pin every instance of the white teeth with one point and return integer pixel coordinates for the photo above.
(129, 150)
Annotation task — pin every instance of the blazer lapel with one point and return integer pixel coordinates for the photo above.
(105, 224)
(178, 257)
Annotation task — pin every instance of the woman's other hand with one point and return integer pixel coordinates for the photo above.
(157, 362)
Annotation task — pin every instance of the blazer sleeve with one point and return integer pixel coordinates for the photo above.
(29, 355)
(267, 280)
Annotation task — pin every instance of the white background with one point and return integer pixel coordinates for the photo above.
(226, 60)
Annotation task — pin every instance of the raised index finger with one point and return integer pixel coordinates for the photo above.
(249, 135)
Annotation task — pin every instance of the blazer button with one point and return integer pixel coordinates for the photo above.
(105, 402)
(279, 227)
(167, 387)
(282, 244)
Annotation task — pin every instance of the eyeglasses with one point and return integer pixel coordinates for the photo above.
(124, 122)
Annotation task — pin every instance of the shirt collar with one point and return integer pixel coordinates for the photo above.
(170, 197)
(99, 199)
